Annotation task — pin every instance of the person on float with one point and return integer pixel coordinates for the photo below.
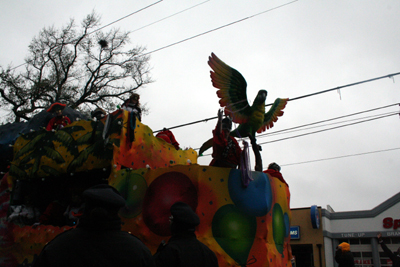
(394, 256)
(132, 104)
(60, 120)
(275, 171)
(226, 150)
(98, 114)
(168, 137)
(183, 248)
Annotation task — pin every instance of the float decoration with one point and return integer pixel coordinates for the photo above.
(232, 91)
(244, 226)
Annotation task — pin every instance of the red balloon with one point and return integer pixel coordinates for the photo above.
(162, 193)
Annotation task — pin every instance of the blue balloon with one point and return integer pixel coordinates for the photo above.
(256, 198)
(287, 224)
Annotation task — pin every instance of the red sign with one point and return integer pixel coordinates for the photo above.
(388, 222)
(364, 262)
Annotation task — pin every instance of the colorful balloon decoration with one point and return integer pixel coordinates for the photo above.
(162, 193)
(133, 188)
(256, 199)
(234, 231)
(243, 226)
(286, 220)
(278, 227)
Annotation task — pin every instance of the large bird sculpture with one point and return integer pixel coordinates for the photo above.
(232, 93)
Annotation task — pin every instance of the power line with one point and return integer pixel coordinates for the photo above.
(350, 124)
(332, 128)
(155, 3)
(174, 15)
(343, 86)
(137, 11)
(327, 120)
(296, 98)
(319, 126)
(184, 10)
(339, 157)
(187, 39)
(218, 28)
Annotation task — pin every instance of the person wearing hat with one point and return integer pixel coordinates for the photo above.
(97, 239)
(343, 255)
(183, 248)
(275, 171)
(168, 137)
(394, 256)
(132, 105)
(60, 120)
(226, 150)
(98, 113)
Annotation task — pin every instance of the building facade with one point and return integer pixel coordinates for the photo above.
(316, 246)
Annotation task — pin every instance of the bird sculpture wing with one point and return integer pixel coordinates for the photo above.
(232, 90)
(272, 115)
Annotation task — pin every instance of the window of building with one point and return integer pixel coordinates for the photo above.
(395, 240)
(363, 259)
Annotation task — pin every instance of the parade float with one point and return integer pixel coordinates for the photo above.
(244, 224)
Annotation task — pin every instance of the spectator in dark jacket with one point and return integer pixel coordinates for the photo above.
(394, 256)
(343, 255)
(183, 248)
(97, 240)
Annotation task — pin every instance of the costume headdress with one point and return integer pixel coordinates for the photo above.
(56, 106)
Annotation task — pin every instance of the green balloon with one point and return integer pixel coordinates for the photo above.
(234, 231)
(278, 227)
(132, 188)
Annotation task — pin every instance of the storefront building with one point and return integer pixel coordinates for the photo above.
(314, 246)
(306, 237)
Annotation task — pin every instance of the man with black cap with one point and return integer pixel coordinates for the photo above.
(183, 249)
(226, 150)
(97, 240)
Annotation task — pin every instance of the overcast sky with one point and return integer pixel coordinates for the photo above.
(298, 49)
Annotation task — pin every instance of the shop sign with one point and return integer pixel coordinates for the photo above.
(353, 235)
(364, 234)
(389, 223)
(363, 262)
(294, 232)
(394, 233)
(314, 217)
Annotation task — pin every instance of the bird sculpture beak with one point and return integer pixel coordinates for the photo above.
(262, 95)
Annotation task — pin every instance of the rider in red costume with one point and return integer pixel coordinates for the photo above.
(60, 120)
(226, 150)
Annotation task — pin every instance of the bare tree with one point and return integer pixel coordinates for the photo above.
(76, 65)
